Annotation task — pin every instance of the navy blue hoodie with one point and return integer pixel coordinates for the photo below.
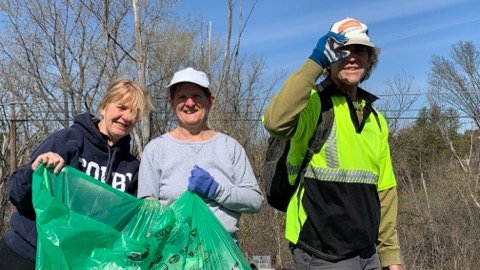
(82, 146)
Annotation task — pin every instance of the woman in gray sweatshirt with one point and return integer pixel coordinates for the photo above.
(196, 158)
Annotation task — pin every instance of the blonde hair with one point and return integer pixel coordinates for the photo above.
(125, 90)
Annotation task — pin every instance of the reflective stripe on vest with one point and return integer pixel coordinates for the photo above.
(333, 173)
(331, 149)
(341, 175)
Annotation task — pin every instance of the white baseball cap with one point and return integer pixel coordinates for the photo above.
(354, 30)
(190, 75)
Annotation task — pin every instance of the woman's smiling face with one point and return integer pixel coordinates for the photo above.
(118, 120)
(191, 105)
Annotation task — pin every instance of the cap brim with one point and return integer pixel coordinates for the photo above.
(353, 41)
(206, 90)
(188, 81)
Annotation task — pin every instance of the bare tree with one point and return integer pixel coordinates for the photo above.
(57, 57)
(456, 81)
(142, 79)
(4, 143)
(400, 101)
(439, 207)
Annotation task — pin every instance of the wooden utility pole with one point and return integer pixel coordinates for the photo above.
(13, 136)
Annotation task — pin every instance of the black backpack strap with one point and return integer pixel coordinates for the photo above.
(325, 120)
(323, 128)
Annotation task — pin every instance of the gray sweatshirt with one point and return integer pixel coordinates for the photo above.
(166, 164)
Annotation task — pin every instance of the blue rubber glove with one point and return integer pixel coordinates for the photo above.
(325, 54)
(202, 183)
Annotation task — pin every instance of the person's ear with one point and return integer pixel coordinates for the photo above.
(101, 111)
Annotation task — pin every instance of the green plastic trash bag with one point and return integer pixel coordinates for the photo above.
(83, 223)
(199, 240)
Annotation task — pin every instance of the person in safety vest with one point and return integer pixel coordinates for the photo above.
(98, 146)
(344, 212)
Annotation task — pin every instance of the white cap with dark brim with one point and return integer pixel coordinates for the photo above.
(354, 30)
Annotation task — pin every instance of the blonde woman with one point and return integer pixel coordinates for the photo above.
(98, 146)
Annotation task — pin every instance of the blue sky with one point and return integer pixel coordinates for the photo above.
(409, 32)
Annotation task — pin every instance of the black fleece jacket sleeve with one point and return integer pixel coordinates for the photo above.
(20, 182)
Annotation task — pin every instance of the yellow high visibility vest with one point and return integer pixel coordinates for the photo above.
(347, 156)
